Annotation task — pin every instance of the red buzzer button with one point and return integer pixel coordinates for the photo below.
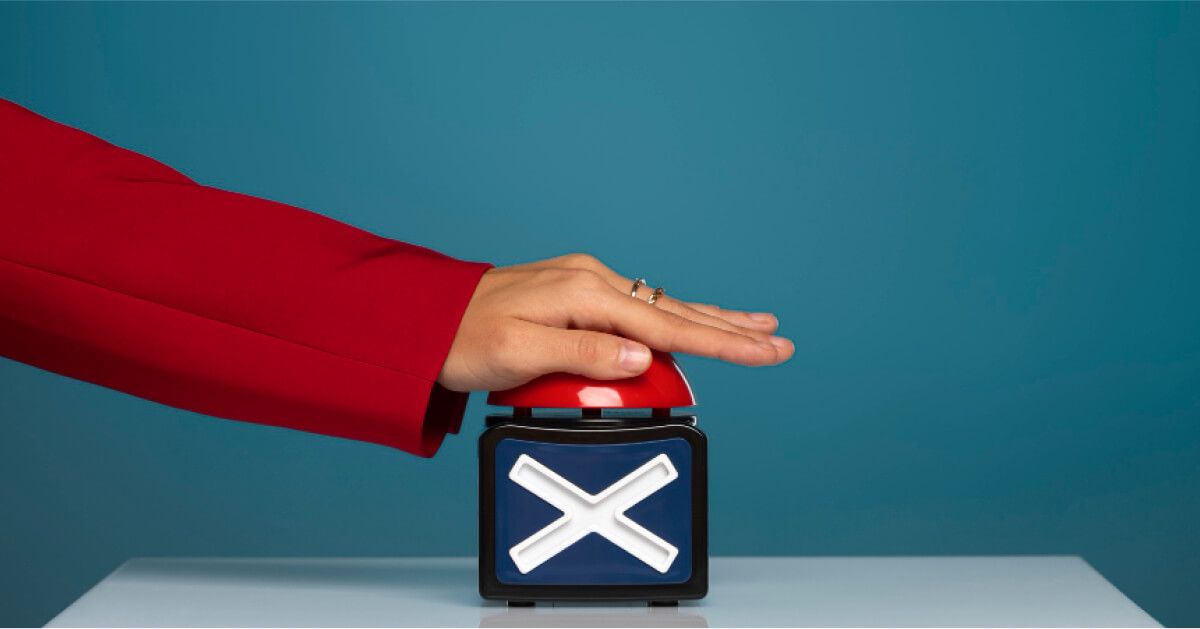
(662, 385)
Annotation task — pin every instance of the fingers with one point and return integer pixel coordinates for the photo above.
(761, 322)
(533, 350)
(670, 332)
(669, 324)
(685, 310)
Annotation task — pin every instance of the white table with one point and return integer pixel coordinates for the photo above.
(744, 591)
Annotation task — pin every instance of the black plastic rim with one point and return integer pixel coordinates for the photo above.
(572, 431)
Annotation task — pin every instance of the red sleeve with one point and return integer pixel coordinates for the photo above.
(118, 270)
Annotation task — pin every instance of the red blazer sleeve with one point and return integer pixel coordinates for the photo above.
(118, 270)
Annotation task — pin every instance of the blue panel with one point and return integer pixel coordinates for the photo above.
(594, 560)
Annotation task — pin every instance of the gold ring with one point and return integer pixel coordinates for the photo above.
(638, 283)
(658, 292)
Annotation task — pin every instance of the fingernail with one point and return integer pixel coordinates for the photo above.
(763, 317)
(634, 357)
(781, 343)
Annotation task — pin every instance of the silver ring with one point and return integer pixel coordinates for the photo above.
(638, 283)
(658, 292)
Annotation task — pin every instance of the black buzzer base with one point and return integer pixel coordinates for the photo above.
(593, 509)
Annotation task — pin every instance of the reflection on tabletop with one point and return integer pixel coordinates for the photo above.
(593, 616)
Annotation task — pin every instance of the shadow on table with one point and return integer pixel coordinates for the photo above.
(640, 616)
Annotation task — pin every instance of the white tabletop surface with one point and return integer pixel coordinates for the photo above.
(744, 591)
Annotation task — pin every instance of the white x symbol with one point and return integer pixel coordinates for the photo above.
(585, 513)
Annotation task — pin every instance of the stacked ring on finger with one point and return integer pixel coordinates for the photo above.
(658, 293)
(654, 296)
(638, 283)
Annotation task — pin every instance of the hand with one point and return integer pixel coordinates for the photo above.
(573, 314)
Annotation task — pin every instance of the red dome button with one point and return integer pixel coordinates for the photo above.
(662, 385)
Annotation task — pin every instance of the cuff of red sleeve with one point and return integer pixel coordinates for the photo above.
(444, 410)
(443, 415)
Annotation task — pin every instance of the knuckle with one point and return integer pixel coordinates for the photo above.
(589, 278)
(588, 348)
(557, 279)
(587, 281)
(580, 261)
(571, 277)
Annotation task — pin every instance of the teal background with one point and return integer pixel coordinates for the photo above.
(977, 221)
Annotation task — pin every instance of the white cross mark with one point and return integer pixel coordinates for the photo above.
(585, 513)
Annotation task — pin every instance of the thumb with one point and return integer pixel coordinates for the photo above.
(591, 354)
